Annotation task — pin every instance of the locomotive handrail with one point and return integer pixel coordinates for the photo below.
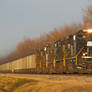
(64, 58)
(78, 54)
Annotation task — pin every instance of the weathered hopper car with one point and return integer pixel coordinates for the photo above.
(26, 64)
(72, 54)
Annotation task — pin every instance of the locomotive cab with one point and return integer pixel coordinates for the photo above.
(86, 53)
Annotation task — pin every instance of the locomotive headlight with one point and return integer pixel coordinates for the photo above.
(88, 30)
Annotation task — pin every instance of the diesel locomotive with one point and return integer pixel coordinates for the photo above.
(72, 54)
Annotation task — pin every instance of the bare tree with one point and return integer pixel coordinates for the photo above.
(87, 18)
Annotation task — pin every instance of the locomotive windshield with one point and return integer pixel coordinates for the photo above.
(88, 52)
(89, 48)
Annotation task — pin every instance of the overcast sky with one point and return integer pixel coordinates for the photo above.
(30, 18)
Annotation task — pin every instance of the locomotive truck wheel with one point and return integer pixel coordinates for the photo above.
(70, 69)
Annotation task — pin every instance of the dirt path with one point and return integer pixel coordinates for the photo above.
(55, 83)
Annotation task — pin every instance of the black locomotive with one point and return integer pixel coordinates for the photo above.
(72, 54)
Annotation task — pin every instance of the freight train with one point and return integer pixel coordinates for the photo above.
(72, 54)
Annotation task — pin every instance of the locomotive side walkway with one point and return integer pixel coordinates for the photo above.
(54, 83)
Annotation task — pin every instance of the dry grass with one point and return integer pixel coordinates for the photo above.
(46, 83)
(9, 84)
